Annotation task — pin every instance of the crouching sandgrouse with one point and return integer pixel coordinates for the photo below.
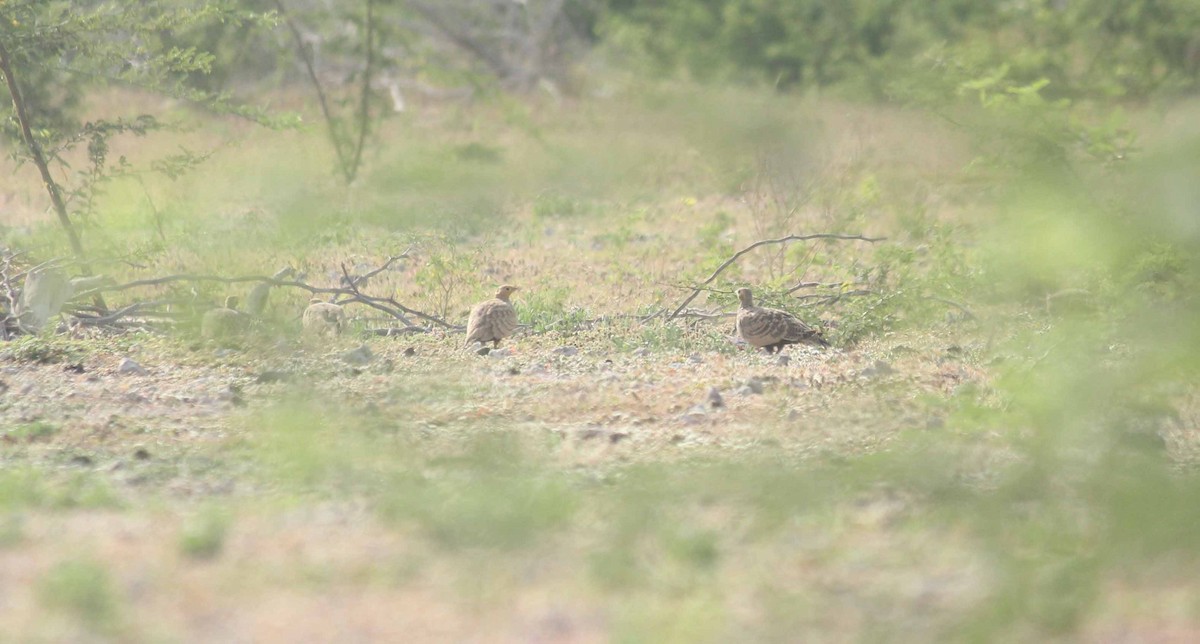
(492, 320)
(223, 322)
(772, 328)
(323, 318)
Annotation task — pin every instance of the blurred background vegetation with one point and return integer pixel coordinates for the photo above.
(1042, 177)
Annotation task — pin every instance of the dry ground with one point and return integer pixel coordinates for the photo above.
(581, 485)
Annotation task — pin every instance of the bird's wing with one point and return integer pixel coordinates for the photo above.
(761, 327)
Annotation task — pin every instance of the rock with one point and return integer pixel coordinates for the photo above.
(360, 356)
(231, 394)
(410, 352)
(782, 360)
(880, 368)
(641, 351)
(694, 415)
(753, 386)
(141, 453)
(498, 353)
(714, 398)
(696, 358)
(565, 351)
(129, 366)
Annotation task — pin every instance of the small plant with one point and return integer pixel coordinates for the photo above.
(446, 276)
(82, 588)
(42, 349)
(546, 309)
(204, 535)
(550, 204)
(32, 431)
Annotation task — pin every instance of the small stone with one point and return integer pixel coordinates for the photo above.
(129, 366)
(499, 353)
(783, 360)
(752, 386)
(410, 352)
(566, 351)
(81, 460)
(141, 454)
(231, 394)
(714, 398)
(695, 415)
(641, 351)
(359, 356)
(74, 368)
(696, 358)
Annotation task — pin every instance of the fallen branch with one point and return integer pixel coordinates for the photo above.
(350, 292)
(782, 240)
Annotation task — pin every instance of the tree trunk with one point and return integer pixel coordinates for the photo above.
(39, 160)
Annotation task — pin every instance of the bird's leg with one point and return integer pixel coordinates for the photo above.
(496, 343)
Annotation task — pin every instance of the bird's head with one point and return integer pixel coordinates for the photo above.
(505, 292)
(745, 297)
(231, 302)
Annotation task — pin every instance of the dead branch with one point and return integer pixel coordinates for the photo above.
(357, 296)
(804, 285)
(951, 303)
(102, 320)
(818, 299)
(782, 240)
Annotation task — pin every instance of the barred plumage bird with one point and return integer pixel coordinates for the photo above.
(492, 320)
(772, 328)
(324, 318)
(223, 322)
(256, 301)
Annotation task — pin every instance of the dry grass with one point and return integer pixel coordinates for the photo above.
(580, 486)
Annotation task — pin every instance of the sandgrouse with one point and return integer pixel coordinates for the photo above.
(256, 301)
(222, 322)
(323, 318)
(492, 320)
(772, 328)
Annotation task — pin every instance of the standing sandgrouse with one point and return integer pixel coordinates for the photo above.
(323, 318)
(492, 320)
(223, 322)
(772, 328)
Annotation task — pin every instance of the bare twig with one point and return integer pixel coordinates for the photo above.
(359, 279)
(804, 285)
(951, 303)
(818, 299)
(782, 240)
(357, 296)
(103, 320)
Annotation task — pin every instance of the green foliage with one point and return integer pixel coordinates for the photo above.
(492, 494)
(73, 49)
(44, 349)
(1086, 47)
(83, 589)
(446, 277)
(547, 309)
(204, 535)
(31, 431)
